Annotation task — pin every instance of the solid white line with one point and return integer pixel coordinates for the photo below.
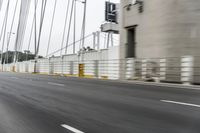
(71, 128)
(181, 103)
(51, 83)
(178, 86)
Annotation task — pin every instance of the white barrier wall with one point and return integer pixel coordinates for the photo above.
(55, 65)
(105, 64)
(31, 66)
(97, 64)
(42, 66)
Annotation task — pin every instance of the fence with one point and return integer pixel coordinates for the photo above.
(177, 70)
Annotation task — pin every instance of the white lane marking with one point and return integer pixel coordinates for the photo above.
(181, 103)
(14, 78)
(178, 86)
(52, 83)
(71, 128)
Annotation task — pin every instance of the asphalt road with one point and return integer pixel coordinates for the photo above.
(50, 104)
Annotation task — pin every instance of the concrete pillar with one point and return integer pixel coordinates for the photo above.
(71, 72)
(51, 67)
(62, 65)
(144, 68)
(122, 69)
(186, 69)
(130, 68)
(94, 40)
(98, 40)
(26, 67)
(162, 69)
(96, 69)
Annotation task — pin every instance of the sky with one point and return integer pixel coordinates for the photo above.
(95, 17)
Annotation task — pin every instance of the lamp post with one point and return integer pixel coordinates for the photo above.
(84, 23)
(82, 40)
(8, 42)
(9, 36)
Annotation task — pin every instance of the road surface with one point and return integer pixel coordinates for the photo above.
(51, 104)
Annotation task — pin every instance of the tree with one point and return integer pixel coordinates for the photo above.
(22, 56)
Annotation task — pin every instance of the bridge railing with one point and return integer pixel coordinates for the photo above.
(177, 70)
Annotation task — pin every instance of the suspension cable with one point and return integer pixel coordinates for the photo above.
(25, 25)
(4, 34)
(41, 25)
(68, 46)
(74, 47)
(82, 43)
(17, 36)
(11, 28)
(65, 26)
(31, 33)
(69, 28)
(23, 29)
(52, 22)
(1, 2)
(2, 28)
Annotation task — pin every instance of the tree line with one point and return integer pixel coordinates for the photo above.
(8, 57)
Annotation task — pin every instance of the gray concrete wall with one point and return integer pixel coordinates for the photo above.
(166, 28)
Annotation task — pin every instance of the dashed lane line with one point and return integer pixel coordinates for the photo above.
(56, 84)
(71, 128)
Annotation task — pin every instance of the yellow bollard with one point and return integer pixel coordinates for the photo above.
(81, 70)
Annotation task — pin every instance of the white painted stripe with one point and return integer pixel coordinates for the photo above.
(51, 83)
(178, 86)
(71, 128)
(181, 103)
(14, 78)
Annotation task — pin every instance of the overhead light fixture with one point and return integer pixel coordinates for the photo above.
(134, 2)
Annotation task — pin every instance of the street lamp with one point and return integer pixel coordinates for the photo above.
(9, 35)
(8, 42)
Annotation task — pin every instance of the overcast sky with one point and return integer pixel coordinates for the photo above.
(95, 17)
